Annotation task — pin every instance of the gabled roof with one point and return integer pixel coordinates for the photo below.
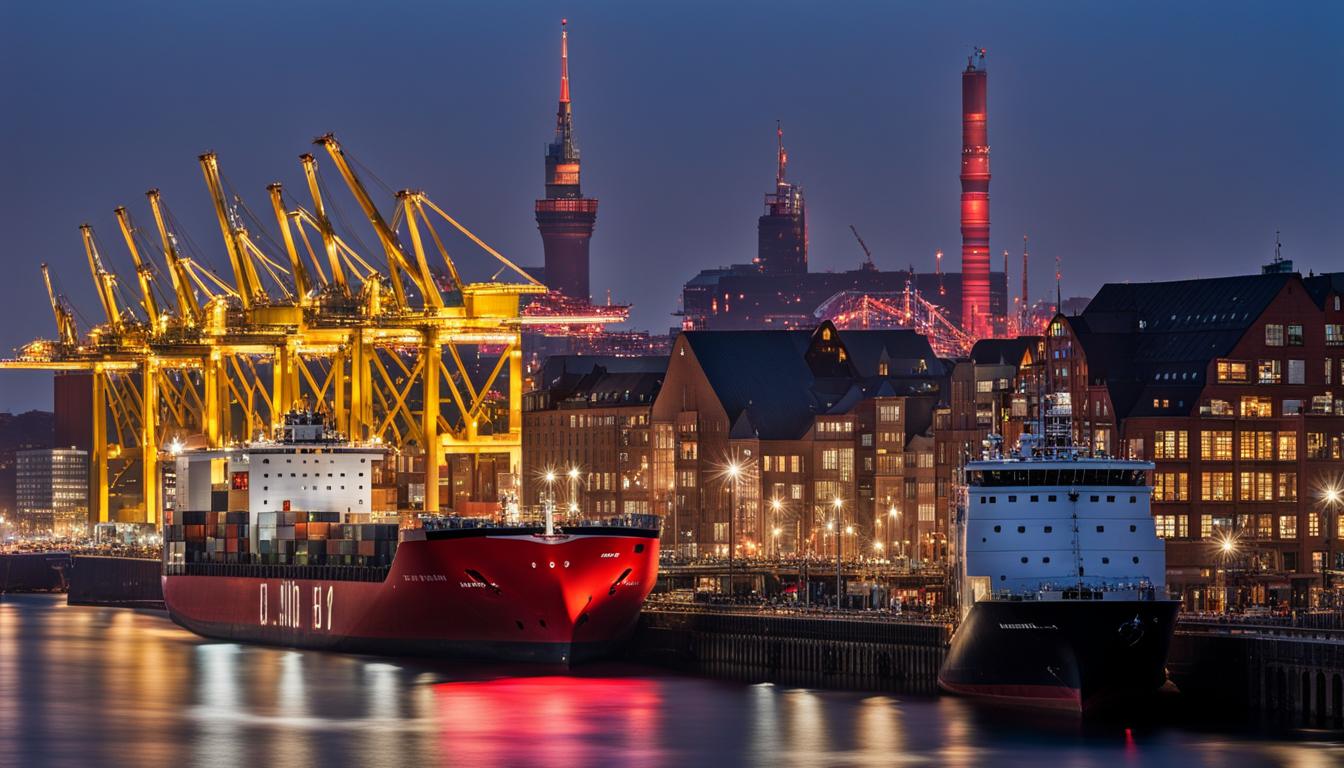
(761, 375)
(1003, 351)
(905, 351)
(1321, 286)
(1154, 341)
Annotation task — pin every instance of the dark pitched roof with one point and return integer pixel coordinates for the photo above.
(1002, 351)
(905, 351)
(603, 388)
(557, 367)
(761, 375)
(1154, 341)
(1321, 286)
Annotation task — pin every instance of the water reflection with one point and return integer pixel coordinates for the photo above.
(90, 686)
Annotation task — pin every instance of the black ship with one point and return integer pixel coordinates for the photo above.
(1062, 589)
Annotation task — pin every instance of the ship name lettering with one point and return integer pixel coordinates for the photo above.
(611, 554)
(423, 577)
(1028, 625)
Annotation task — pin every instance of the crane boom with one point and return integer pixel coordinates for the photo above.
(324, 225)
(65, 322)
(142, 271)
(103, 280)
(244, 272)
(396, 257)
(188, 309)
(302, 285)
(868, 255)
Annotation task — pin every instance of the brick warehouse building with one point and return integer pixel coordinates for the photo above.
(1232, 386)
(809, 417)
(591, 415)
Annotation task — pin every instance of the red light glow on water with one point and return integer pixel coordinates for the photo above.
(549, 721)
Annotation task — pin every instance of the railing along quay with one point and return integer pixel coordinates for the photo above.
(864, 650)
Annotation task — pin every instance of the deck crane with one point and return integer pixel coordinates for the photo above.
(65, 319)
(868, 264)
(143, 273)
(188, 308)
(396, 256)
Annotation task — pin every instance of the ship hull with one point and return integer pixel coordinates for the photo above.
(514, 597)
(1073, 655)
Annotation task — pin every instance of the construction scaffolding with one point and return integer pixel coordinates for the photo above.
(393, 349)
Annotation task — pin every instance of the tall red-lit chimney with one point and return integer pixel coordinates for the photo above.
(975, 312)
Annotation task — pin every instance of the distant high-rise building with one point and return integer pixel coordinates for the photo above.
(52, 486)
(565, 217)
(977, 318)
(782, 232)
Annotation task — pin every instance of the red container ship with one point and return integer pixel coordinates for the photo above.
(285, 554)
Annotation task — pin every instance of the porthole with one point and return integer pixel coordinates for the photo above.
(1133, 499)
(998, 529)
(1024, 561)
(1133, 529)
(1045, 559)
(1110, 499)
(1105, 561)
(1012, 499)
(1049, 529)
(1136, 559)
(1021, 529)
(1050, 497)
(1095, 499)
(1035, 499)
(1101, 529)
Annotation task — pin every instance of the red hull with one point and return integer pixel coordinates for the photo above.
(557, 599)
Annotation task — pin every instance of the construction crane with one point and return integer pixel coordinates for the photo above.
(868, 265)
(426, 379)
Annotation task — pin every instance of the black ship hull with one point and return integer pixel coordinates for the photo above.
(1075, 655)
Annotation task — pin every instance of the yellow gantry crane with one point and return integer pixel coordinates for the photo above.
(406, 355)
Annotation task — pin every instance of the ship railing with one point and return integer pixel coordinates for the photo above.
(528, 520)
(1141, 589)
(280, 571)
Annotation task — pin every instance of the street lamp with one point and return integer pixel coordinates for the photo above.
(734, 471)
(839, 581)
(1332, 496)
(775, 505)
(573, 490)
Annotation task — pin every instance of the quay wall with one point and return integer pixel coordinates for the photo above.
(792, 649)
(1290, 673)
(115, 581)
(33, 571)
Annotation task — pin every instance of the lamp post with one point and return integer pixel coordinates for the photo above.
(573, 490)
(1333, 497)
(839, 539)
(734, 470)
(775, 505)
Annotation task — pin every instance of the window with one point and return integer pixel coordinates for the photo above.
(1334, 333)
(1215, 486)
(1328, 368)
(1231, 371)
(1257, 486)
(1170, 486)
(1273, 335)
(1287, 526)
(1171, 526)
(1287, 486)
(1297, 371)
(1257, 407)
(1216, 407)
(1170, 444)
(1215, 445)
(1317, 562)
(1287, 446)
(1294, 334)
(1269, 372)
(1313, 524)
(1257, 446)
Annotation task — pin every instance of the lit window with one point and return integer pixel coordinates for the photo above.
(1288, 526)
(1273, 335)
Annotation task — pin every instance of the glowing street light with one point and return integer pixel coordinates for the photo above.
(839, 505)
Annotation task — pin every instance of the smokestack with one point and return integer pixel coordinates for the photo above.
(975, 313)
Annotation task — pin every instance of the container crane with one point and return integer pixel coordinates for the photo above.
(67, 333)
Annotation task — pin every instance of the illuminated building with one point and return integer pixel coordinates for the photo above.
(1232, 386)
(52, 489)
(565, 217)
(978, 316)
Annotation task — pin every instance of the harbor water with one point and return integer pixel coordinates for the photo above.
(82, 686)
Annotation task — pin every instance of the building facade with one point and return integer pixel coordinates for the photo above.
(796, 443)
(1232, 386)
(51, 485)
(587, 436)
